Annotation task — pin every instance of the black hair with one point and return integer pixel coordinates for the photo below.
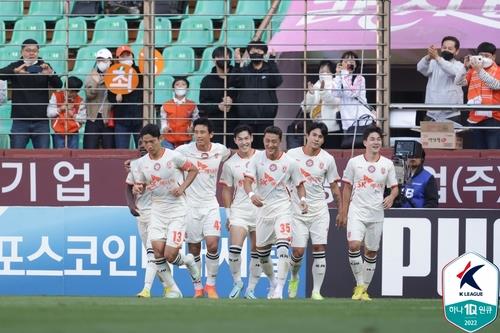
(328, 64)
(257, 44)
(205, 122)
(150, 129)
(274, 130)
(316, 124)
(352, 54)
(487, 48)
(453, 39)
(372, 129)
(74, 83)
(180, 78)
(242, 128)
(29, 41)
(220, 52)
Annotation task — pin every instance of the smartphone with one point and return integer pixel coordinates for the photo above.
(34, 69)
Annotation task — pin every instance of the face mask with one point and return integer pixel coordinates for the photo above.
(256, 58)
(325, 77)
(126, 61)
(447, 55)
(220, 63)
(180, 91)
(30, 62)
(487, 62)
(103, 66)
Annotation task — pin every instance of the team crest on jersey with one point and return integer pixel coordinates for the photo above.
(273, 167)
(157, 166)
(321, 165)
(204, 156)
(309, 163)
(371, 169)
(383, 171)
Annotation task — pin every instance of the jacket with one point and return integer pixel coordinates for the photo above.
(421, 191)
(62, 123)
(97, 97)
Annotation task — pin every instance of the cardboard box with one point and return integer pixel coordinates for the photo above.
(439, 135)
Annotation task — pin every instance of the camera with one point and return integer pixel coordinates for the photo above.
(476, 60)
(33, 69)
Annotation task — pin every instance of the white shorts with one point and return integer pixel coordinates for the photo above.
(202, 222)
(143, 221)
(172, 230)
(245, 222)
(370, 232)
(269, 229)
(317, 226)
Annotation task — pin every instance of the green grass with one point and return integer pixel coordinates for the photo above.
(98, 314)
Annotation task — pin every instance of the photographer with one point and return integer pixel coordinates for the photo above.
(420, 190)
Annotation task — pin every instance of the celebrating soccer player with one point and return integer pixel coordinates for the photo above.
(365, 179)
(318, 167)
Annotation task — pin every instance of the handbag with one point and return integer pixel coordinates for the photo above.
(295, 131)
(363, 123)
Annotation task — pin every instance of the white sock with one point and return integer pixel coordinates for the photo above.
(150, 273)
(163, 271)
(266, 263)
(295, 264)
(183, 259)
(318, 270)
(197, 261)
(255, 271)
(356, 263)
(235, 262)
(283, 262)
(368, 269)
(212, 262)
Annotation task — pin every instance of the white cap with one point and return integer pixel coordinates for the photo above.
(104, 53)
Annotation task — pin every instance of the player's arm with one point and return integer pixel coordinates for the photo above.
(334, 188)
(131, 200)
(247, 185)
(301, 192)
(227, 200)
(192, 172)
(389, 200)
(346, 201)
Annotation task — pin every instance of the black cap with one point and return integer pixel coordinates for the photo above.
(486, 48)
(30, 41)
(74, 83)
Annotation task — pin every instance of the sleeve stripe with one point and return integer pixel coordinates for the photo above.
(249, 175)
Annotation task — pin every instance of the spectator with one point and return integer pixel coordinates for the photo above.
(216, 95)
(441, 71)
(127, 108)
(257, 103)
(322, 106)
(69, 112)
(482, 75)
(123, 7)
(171, 7)
(98, 127)
(177, 116)
(30, 79)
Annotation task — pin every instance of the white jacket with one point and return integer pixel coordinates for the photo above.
(329, 104)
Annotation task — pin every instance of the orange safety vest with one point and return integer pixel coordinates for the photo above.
(62, 123)
(179, 118)
(488, 96)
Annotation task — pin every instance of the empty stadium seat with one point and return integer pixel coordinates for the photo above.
(110, 32)
(178, 60)
(163, 34)
(240, 31)
(255, 9)
(163, 88)
(28, 28)
(85, 61)
(77, 32)
(57, 58)
(194, 88)
(9, 54)
(5, 125)
(214, 9)
(12, 10)
(196, 32)
(47, 10)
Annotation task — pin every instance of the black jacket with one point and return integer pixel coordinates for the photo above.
(132, 104)
(257, 91)
(30, 92)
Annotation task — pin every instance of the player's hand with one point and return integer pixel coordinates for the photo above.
(177, 192)
(388, 201)
(138, 189)
(21, 69)
(256, 200)
(134, 211)
(126, 165)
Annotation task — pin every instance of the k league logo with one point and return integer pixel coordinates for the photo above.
(470, 292)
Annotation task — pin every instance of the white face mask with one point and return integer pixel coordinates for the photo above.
(103, 66)
(325, 77)
(127, 61)
(180, 91)
(487, 62)
(30, 62)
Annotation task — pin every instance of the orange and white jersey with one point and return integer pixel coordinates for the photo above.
(202, 191)
(271, 178)
(368, 180)
(318, 171)
(161, 177)
(233, 175)
(142, 201)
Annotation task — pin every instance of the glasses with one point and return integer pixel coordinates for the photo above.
(30, 50)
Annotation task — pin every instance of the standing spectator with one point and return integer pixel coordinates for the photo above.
(216, 95)
(257, 103)
(69, 112)
(98, 130)
(441, 71)
(482, 75)
(321, 105)
(177, 116)
(127, 108)
(30, 78)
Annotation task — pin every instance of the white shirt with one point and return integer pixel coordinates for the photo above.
(329, 104)
(318, 171)
(271, 177)
(142, 201)
(202, 191)
(368, 180)
(233, 175)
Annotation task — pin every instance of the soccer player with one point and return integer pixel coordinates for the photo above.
(318, 167)
(271, 171)
(159, 172)
(240, 211)
(203, 216)
(365, 178)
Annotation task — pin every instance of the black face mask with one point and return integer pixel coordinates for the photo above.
(220, 63)
(447, 55)
(256, 58)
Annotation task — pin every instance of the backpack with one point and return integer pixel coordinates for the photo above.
(87, 8)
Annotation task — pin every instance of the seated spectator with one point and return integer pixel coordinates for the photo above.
(123, 7)
(441, 71)
(30, 79)
(482, 76)
(321, 105)
(87, 8)
(216, 95)
(127, 108)
(256, 83)
(68, 112)
(170, 7)
(177, 116)
(98, 127)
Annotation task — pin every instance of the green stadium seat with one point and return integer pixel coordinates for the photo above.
(255, 9)
(163, 88)
(77, 32)
(9, 54)
(57, 58)
(194, 87)
(163, 34)
(240, 31)
(85, 61)
(12, 10)
(110, 32)
(28, 28)
(206, 63)
(47, 10)
(214, 9)
(178, 60)
(2, 33)
(5, 125)
(196, 32)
